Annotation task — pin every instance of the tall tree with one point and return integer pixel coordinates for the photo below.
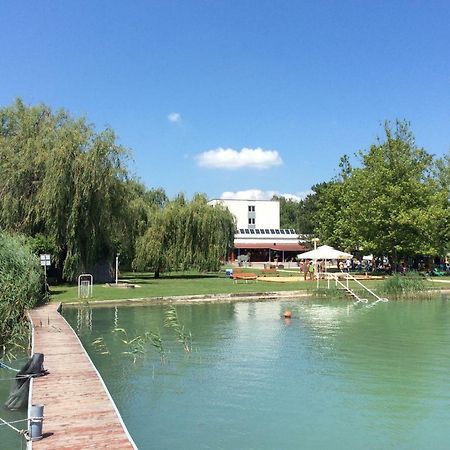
(186, 235)
(61, 179)
(388, 205)
(442, 204)
(298, 215)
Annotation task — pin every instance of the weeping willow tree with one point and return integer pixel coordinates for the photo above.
(61, 179)
(186, 235)
(142, 205)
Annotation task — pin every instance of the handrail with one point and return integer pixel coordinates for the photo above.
(379, 299)
(337, 281)
(334, 276)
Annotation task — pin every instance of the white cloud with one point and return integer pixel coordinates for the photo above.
(227, 158)
(174, 117)
(258, 194)
(297, 196)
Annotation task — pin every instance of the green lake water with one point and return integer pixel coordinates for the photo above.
(10, 439)
(336, 376)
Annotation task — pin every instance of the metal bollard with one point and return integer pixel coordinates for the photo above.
(35, 422)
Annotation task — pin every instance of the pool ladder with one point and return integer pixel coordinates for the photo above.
(335, 277)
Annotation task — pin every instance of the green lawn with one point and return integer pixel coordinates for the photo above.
(175, 284)
(194, 283)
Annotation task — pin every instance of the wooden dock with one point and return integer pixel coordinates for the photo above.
(79, 413)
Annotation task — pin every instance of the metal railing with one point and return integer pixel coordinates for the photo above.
(335, 276)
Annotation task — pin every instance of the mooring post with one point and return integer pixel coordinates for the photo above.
(35, 422)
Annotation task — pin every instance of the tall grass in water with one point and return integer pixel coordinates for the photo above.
(136, 347)
(21, 288)
(171, 321)
(409, 285)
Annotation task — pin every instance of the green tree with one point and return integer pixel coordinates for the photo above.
(298, 215)
(390, 204)
(140, 206)
(186, 235)
(442, 204)
(62, 179)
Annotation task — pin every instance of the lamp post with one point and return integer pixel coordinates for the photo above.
(117, 268)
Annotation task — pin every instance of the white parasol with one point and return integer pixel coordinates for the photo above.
(325, 252)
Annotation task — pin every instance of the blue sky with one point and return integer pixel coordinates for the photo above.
(233, 96)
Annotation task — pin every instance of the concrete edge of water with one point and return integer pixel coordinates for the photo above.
(216, 298)
(204, 298)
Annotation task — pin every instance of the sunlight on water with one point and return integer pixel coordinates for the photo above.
(336, 376)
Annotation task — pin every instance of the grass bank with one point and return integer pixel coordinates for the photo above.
(177, 284)
(194, 283)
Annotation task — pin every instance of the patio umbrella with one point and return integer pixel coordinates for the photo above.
(325, 252)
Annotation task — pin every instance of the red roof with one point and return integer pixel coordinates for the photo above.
(281, 247)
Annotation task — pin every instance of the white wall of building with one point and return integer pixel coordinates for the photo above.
(266, 214)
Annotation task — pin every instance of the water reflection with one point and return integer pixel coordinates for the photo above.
(334, 376)
(10, 439)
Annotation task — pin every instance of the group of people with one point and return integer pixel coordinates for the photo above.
(308, 268)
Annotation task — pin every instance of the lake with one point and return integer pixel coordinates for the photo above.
(10, 439)
(335, 376)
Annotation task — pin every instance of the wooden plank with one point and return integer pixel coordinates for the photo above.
(78, 411)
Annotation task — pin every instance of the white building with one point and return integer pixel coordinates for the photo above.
(258, 230)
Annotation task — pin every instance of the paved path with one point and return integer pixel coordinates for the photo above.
(78, 411)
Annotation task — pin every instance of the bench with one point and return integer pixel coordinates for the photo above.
(244, 276)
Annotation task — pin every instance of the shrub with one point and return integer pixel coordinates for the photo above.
(397, 285)
(21, 288)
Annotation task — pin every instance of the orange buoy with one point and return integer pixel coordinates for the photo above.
(287, 314)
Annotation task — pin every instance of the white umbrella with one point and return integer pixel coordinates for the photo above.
(325, 252)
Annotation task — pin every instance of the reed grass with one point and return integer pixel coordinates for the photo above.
(171, 321)
(135, 347)
(21, 287)
(410, 285)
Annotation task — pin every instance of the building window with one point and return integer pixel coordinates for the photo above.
(251, 221)
(251, 208)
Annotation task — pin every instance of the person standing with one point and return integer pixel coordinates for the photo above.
(311, 270)
(322, 266)
(305, 269)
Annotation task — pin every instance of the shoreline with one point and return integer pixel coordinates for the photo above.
(216, 298)
(196, 298)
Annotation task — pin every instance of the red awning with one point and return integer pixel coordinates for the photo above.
(280, 247)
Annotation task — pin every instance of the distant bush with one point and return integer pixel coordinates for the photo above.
(21, 288)
(411, 284)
